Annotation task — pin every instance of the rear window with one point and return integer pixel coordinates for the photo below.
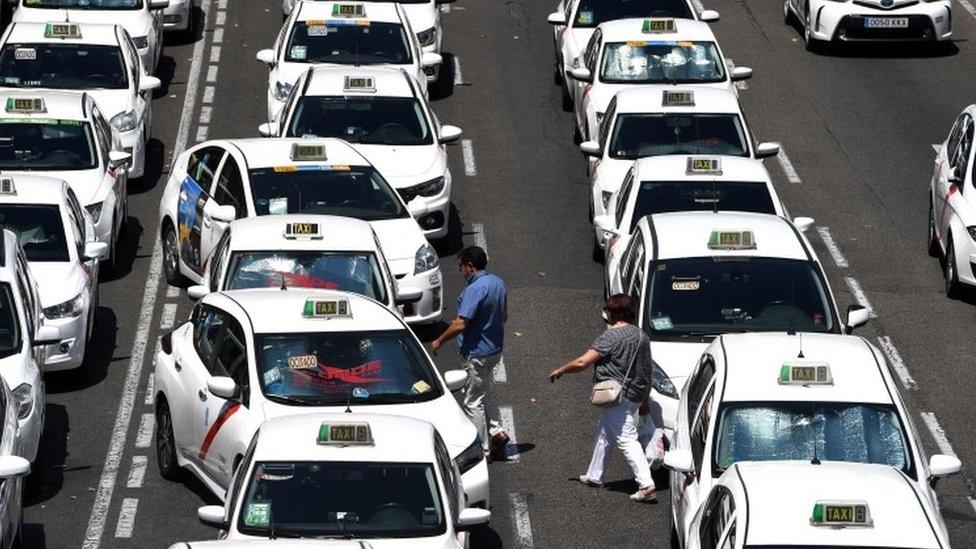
(654, 197)
(593, 12)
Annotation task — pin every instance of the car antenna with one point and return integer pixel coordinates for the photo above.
(283, 285)
(348, 404)
(815, 460)
(800, 354)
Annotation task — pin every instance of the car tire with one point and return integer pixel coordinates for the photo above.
(111, 262)
(567, 100)
(171, 257)
(673, 537)
(787, 14)
(598, 255)
(34, 482)
(557, 75)
(809, 42)
(169, 467)
(951, 271)
(934, 249)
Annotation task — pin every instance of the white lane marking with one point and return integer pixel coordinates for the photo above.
(788, 169)
(215, 54)
(740, 85)
(212, 73)
(221, 19)
(458, 80)
(897, 363)
(966, 5)
(218, 36)
(832, 247)
(936, 146)
(478, 233)
(145, 433)
(941, 440)
(698, 6)
(202, 133)
(206, 112)
(137, 472)
(222, 4)
(150, 389)
(467, 149)
(168, 317)
(127, 518)
(507, 419)
(499, 375)
(208, 95)
(855, 287)
(520, 516)
(172, 292)
(123, 417)
(445, 8)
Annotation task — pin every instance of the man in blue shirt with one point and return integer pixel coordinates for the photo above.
(480, 329)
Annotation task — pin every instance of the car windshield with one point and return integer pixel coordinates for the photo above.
(828, 431)
(352, 191)
(356, 272)
(654, 197)
(348, 41)
(343, 499)
(639, 135)
(369, 120)
(593, 12)
(9, 325)
(46, 144)
(86, 4)
(62, 66)
(655, 62)
(716, 295)
(332, 368)
(39, 230)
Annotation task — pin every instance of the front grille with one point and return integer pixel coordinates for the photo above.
(851, 27)
(872, 5)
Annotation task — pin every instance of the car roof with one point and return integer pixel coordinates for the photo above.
(777, 516)
(273, 310)
(330, 80)
(34, 189)
(686, 234)
(648, 99)
(381, 12)
(621, 30)
(675, 167)
(268, 233)
(264, 152)
(753, 361)
(91, 33)
(65, 105)
(395, 439)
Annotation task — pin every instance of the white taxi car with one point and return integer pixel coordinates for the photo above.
(646, 52)
(575, 21)
(59, 245)
(250, 355)
(64, 135)
(360, 476)
(384, 114)
(179, 17)
(342, 33)
(140, 18)
(696, 275)
(830, 504)
(673, 183)
(304, 251)
(870, 20)
(98, 59)
(216, 182)
(817, 398)
(13, 468)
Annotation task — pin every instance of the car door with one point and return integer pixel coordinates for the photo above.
(191, 219)
(717, 517)
(228, 190)
(621, 217)
(691, 488)
(142, 104)
(580, 89)
(954, 156)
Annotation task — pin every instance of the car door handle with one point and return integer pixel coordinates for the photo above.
(178, 366)
(202, 395)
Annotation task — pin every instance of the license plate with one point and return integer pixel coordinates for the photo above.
(886, 22)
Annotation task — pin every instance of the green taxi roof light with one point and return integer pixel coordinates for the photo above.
(818, 514)
(323, 433)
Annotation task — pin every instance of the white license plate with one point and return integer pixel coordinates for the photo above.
(886, 22)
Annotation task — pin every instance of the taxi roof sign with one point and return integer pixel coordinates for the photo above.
(348, 10)
(704, 166)
(306, 152)
(672, 98)
(26, 105)
(841, 514)
(7, 186)
(317, 307)
(303, 231)
(359, 84)
(731, 239)
(658, 26)
(62, 30)
(345, 433)
(805, 373)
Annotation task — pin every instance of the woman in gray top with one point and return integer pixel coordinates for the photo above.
(612, 353)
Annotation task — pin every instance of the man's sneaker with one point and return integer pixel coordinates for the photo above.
(497, 444)
(644, 494)
(589, 482)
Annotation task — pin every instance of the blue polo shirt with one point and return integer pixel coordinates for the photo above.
(483, 303)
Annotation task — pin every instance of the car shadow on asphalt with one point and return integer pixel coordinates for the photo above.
(182, 38)
(882, 50)
(486, 538)
(443, 87)
(452, 243)
(98, 357)
(126, 252)
(154, 171)
(52, 455)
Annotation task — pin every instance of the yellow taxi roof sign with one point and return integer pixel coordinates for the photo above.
(699, 165)
(317, 307)
(658, 26)
(26, 105)
(731, 239)
(348, 10)
(841, 514)
(805, 373)
(345, 433)
(308, 152)
(303, 231)
(62, 30)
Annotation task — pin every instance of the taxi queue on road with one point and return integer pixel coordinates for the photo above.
(308, 252)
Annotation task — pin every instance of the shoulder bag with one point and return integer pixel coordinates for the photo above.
(607, 393)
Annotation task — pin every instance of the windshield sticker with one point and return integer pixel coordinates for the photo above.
(420, 387)
(359, 392)
(25, 54)
(430, 516)
(303, 362)
(272, 376)
(662, 323)
(15, 80)
(685, 285)
(258, 514)
(45, 121)
(278, 206)
(189, 220)
(299, 52)
(585, 18)
(318, 30)
(337, 380)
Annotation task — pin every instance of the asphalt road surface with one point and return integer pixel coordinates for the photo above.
(857, 128)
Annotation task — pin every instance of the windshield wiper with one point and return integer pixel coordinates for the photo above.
(285, 399)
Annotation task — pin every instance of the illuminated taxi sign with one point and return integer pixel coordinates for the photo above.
(326, 308)
(7, 186)
(301, 152)
(673, 98)
(62, 30)
(841, 514)
(793, 373)
(302, 231)
(658, 26)
(348, 10)
(704, 166)
(725, 239)
(359, 84)
(26, 105)
(345, 434)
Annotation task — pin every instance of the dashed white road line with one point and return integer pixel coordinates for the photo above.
(788, 169)
(894, 357)
(212, 73)
(208, 95)
(507, 419)
(215, 54)
(832, 247)
(127, 518)
(458, 80)
(221, 18)
(478, 235)
(520, 516)
(168, 317)
(172, 292)
(966, 5)
(145, 433)
(499, 375)
(218, 36)
(855, 288)
(467, 148)
(150, 389)
(202, 133)
(137, 472)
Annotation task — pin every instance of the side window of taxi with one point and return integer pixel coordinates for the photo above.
(202, 165)
(716, 515)
(207, 325)
(26, 296)
(230, 188)
(451, 482)
(594, 53)
(237, 486)
(103, 132)
(78, 217)
(699, 382)
(622, 198)
(568, 5)
(965, 148)
(588, 50)
(133, 55)
(953, 142)
(231, 355)
(607, 121)
(699, 430)
(633, 255)
(75, 228)
(218, 258)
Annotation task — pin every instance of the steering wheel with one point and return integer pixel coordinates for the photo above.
(59, 152)
(350, 203)
(661, 13)
(394, 129)
(393, 511)
(782, 312)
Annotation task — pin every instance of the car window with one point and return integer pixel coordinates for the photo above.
(207, 325)
(699, 382)
(451, 482)
(231, 355)
(103, 132)
(9, 322)
(39, 229)
(202, 165)
(75, 66)
(965, 148)
(699, 430)
(622, 196)
(635, 256)
(716, 516)
(953, 142)
(239, 477)
(78, 216)
(607, 121)
(218, 259)
(26, 294)
(230, 187)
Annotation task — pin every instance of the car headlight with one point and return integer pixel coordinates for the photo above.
(605, 196)
(471, 456)
(662, 383)
(24, 395)
(427, 37)
(70, 308)
(124, 121)
(426, 259)
(95, 211)
(282, 90)
(427, 188)
(141, 42)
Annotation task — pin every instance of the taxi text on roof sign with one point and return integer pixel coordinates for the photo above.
(678, 98)
(345, 434)
(807, 373)
(708, 166)
(303, 231)
(326, 308)
(62, 30)
(734, 239)
(359, 84)
(658, 26)
(308, 152)
(348, 10)
(840, 514)
(7, 186)
(26, 105)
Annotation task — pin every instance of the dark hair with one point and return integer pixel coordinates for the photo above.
(620, 308)
(475, 256)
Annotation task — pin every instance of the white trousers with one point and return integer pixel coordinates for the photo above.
(475, 403)
(617, 426)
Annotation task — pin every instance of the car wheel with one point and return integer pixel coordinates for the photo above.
(810, 43)
(171, 257)
(598, 255)
(557, 75)
(567, 100)
(109, 263)
(34, 481)
(169, 467)
(934, 248)
(952, 285)
(787, 16)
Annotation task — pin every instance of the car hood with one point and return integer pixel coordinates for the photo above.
(135, 22)
(85, 183)
(58, 281)
(400, 238)
(601, 94)
(407, 165)
(421, 16)
(677, 359)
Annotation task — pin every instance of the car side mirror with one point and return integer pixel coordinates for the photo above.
(47, 335)
(679, 460)
(431, 59)
(406, 295)
(198, 292)
(266, 56)
(450, 134)
(222, 387)
(156, 5)
(766, 150)
(942, 465)
(709, 16)
(455, 379)
(212, 515)
(13, 466)
(556, 18)
(580, 73)
(590, 148)
(857, 315)
(267, 130)
(803, 224)
(96, 250)
(741, 73)
(149, 83)
(471, 517)
(225, 214)
(119, 159)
